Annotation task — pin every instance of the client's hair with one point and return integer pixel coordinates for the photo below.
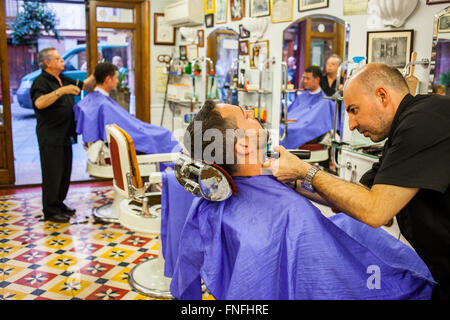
(315, 70)
(209, 118)
(102, 70)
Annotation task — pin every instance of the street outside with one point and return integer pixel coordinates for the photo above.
(26, 150)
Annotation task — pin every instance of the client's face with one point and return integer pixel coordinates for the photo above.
(245, 121)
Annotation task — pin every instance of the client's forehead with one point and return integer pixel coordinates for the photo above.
(228, 110)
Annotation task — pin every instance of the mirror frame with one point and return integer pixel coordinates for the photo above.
(434, 46)
(328, 17)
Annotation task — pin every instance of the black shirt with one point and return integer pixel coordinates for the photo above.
(417, 155)
(329, 91)
(56, 123)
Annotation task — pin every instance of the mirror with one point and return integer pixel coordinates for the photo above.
(201, 179)
(214, 186)
(440, 54)
(222, 49)
(310, 41)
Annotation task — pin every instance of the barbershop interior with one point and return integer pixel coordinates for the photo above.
(136, 213)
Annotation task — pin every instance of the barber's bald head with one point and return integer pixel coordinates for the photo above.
(371, 97)
(377, 74)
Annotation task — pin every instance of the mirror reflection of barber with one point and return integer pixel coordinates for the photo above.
(411, 179)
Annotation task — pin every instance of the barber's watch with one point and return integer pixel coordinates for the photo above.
(57, 93)
(307, 182)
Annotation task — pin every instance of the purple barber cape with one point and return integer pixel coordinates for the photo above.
(315, 117)
(268, 242)
(96, 111)
(175, 204)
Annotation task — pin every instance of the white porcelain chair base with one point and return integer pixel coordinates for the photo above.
(101, 171)
(130, 217)
(148, 277)
(109, 212)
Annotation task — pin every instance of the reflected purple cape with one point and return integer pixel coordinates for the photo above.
(268, 242)
(315, 117)
(96, 110)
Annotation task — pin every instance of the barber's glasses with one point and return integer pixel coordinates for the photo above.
(210, 181)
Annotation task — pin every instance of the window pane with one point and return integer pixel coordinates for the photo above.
(106, 14)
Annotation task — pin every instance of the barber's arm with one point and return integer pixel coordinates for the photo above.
(89, 83)
(375, 206)
(48, 99)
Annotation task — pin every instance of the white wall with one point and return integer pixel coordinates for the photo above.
(421, 20)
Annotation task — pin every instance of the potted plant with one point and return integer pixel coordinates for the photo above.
(122, 93)
(28, 25)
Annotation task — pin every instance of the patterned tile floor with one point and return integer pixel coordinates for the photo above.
(81, 260)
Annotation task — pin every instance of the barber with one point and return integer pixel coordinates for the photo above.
(53, 94)
(411, 179)
(328, 80)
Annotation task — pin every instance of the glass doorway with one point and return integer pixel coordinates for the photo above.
(119, 33)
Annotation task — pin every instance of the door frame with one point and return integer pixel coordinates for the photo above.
(7, 175)
(141, 29)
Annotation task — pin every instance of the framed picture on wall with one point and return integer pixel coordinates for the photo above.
(305, 5)
(429, 2)
(281, 10)
(209, 20)
(210, 6)
(243, 47)
(201, 38)
(444, 23)
(258, 51)
(243, 33)
(191, 52)
(237, 9)
(182, 50)
(163, 33)
(390, 47)
(259, 8)
(221, 11)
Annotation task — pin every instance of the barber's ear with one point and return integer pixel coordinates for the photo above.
(382, 93)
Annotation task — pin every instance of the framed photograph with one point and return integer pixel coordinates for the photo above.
(258, 51)
(182, 52)
(390, 47)
(305, 5)
(191, 52)
(210, 6)
(221, 11)
(237, 9)
(163, 33)
(444, 23)
(201, 38)
(209, 20)
(243, 47)
(281, 10)
(243, 33)
(355, 7)
(429, 2)
(259, 8)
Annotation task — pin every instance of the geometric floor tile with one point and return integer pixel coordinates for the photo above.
(63, 261)
(107, 293)
(70, 286)
(36, 279)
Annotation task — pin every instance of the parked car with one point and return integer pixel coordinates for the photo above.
(75, 68)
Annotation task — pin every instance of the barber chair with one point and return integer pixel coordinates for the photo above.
(139, 209)
(123, 147)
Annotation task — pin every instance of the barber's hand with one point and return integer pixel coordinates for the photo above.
(69, 89)
(287, 167)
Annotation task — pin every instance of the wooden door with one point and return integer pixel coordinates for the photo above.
(6, 147)
(129, 20)
(325, 36)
